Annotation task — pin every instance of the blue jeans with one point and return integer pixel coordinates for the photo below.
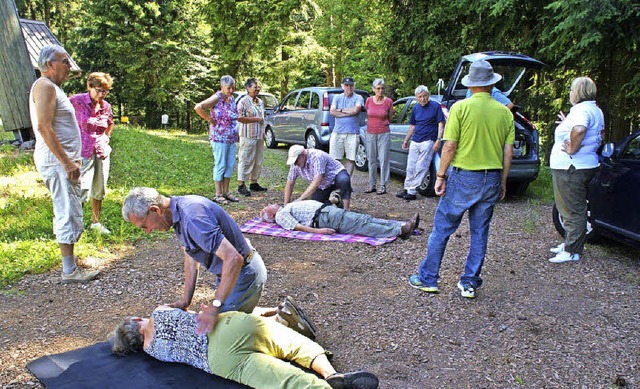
(476, 192)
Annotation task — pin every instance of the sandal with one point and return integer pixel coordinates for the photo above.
(231, 198)
(382, 190)
(220, 200)
(370, 189)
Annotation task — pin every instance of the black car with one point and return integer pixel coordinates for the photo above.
(613, 202)
(525, 164)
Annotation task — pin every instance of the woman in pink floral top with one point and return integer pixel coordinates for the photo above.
(221, 113)
(96, 125)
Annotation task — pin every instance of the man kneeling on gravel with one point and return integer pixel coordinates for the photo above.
(315, 217)
(210, 237)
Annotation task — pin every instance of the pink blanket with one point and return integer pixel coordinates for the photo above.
(257, 226)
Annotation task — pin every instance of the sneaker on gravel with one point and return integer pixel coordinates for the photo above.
(564, 256)
(558, 249)
(402, 193)
(254, 186)
(79, 276)
(415, 282)
(100, 228)
(467, 290)
(354, 380)
(242, 189)
(296, 318)
(409, 197)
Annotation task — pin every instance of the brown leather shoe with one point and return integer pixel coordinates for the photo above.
(407, 228)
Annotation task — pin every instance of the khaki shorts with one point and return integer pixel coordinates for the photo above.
(341, 145)
(95, 174)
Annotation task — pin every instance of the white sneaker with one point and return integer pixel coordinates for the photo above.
(564, 256)
(100, 228)
(558, 249)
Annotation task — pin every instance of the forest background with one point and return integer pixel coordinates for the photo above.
(166, 55)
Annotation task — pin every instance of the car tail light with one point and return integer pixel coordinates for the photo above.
(325, 107)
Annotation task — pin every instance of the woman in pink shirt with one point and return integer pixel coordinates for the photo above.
(96, 124)
(379, 112)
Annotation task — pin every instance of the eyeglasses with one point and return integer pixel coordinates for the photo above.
(379, 88)
(103, 91)
(64, 61)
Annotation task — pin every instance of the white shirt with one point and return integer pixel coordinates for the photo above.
(585, 114)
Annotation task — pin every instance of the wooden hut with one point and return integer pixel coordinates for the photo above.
(20, 45)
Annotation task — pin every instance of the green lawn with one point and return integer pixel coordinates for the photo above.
(171, 160)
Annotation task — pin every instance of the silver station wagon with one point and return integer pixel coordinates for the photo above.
(303, 118)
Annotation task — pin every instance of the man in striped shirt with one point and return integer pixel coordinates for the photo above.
(251, 130)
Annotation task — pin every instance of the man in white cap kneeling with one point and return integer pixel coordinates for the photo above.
(324, 173)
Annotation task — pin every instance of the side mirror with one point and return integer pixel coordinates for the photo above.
(608, 149)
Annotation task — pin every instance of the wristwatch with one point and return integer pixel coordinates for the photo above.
(217, 303)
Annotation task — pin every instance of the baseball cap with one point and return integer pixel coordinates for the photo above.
(294, 153)
(348, 81)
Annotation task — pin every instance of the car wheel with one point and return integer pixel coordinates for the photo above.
(270, 139)
(427, 188)
(312, 140)
(361, 158)
(517, 189)
(558, 223)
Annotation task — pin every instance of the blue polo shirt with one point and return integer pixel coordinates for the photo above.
(426, 120)
(496, 94)
(200, 226)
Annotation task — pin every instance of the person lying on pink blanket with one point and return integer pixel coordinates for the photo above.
(315, 217)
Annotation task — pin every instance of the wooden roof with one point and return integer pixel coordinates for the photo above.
(36, 36)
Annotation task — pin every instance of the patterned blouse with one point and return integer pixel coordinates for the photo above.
(175, 339)
(226, 116)
(91, 123)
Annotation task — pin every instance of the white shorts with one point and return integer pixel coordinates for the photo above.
(341, 145)
(67, 207)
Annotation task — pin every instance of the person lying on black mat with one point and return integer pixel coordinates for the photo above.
(245, 348)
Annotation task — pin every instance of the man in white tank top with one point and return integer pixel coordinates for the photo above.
(57, 155)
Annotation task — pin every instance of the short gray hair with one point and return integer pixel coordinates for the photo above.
(377, 81)
(47, 54)
(584, 89)
(126, 338)
(421, 89)
(227, 81)
(139, 200)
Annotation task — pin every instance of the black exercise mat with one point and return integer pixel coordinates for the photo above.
(95, 367)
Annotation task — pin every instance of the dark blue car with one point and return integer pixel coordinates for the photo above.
(613, 202)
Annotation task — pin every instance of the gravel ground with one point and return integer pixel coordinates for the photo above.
(533, 324)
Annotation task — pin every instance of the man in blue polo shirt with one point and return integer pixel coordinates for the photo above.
(210, 238)
(346, 108)
(426, 126)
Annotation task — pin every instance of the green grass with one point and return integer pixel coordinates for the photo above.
(172, 161)
(542, 188)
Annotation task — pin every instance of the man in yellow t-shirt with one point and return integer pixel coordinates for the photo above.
(475, 162)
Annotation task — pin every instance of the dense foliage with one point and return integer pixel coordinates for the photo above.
(166, 55)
